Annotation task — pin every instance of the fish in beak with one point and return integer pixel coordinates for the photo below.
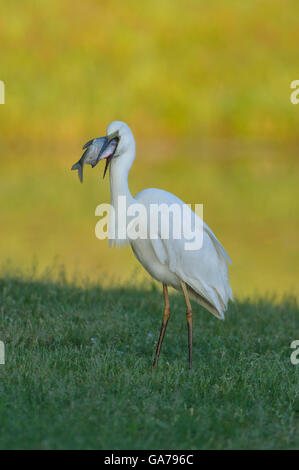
(101, 148)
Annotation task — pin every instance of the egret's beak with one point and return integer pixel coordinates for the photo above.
(101, 148)
(108, 150)
(113, 140)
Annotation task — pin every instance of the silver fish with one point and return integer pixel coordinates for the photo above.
(96, 149)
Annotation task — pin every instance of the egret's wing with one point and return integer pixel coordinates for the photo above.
(204, 270)
(217, 243)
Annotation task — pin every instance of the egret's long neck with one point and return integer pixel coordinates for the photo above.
(119, 171)
(121, 197)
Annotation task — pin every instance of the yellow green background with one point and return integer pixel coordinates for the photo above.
(205, 87)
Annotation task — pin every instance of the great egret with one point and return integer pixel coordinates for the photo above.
(200, 274)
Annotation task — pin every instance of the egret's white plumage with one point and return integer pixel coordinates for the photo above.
(204, 271)
(200, 274)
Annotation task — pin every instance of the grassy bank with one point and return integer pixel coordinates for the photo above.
(78, 371)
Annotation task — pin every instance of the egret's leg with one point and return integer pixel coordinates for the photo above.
(166, 315)
(189, 321)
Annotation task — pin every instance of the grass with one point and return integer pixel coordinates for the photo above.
(78, 371)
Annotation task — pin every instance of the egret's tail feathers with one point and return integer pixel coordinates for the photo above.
(217, 312)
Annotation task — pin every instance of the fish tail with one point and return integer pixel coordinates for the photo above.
(79, 167)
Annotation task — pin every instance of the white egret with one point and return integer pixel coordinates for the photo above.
(201, 274)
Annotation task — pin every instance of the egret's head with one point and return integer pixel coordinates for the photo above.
(125, 149)
(121, 130)
(117, 144)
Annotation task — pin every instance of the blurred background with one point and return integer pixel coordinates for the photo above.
(205, 87)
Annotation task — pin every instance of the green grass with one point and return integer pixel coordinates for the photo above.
(78, 371)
